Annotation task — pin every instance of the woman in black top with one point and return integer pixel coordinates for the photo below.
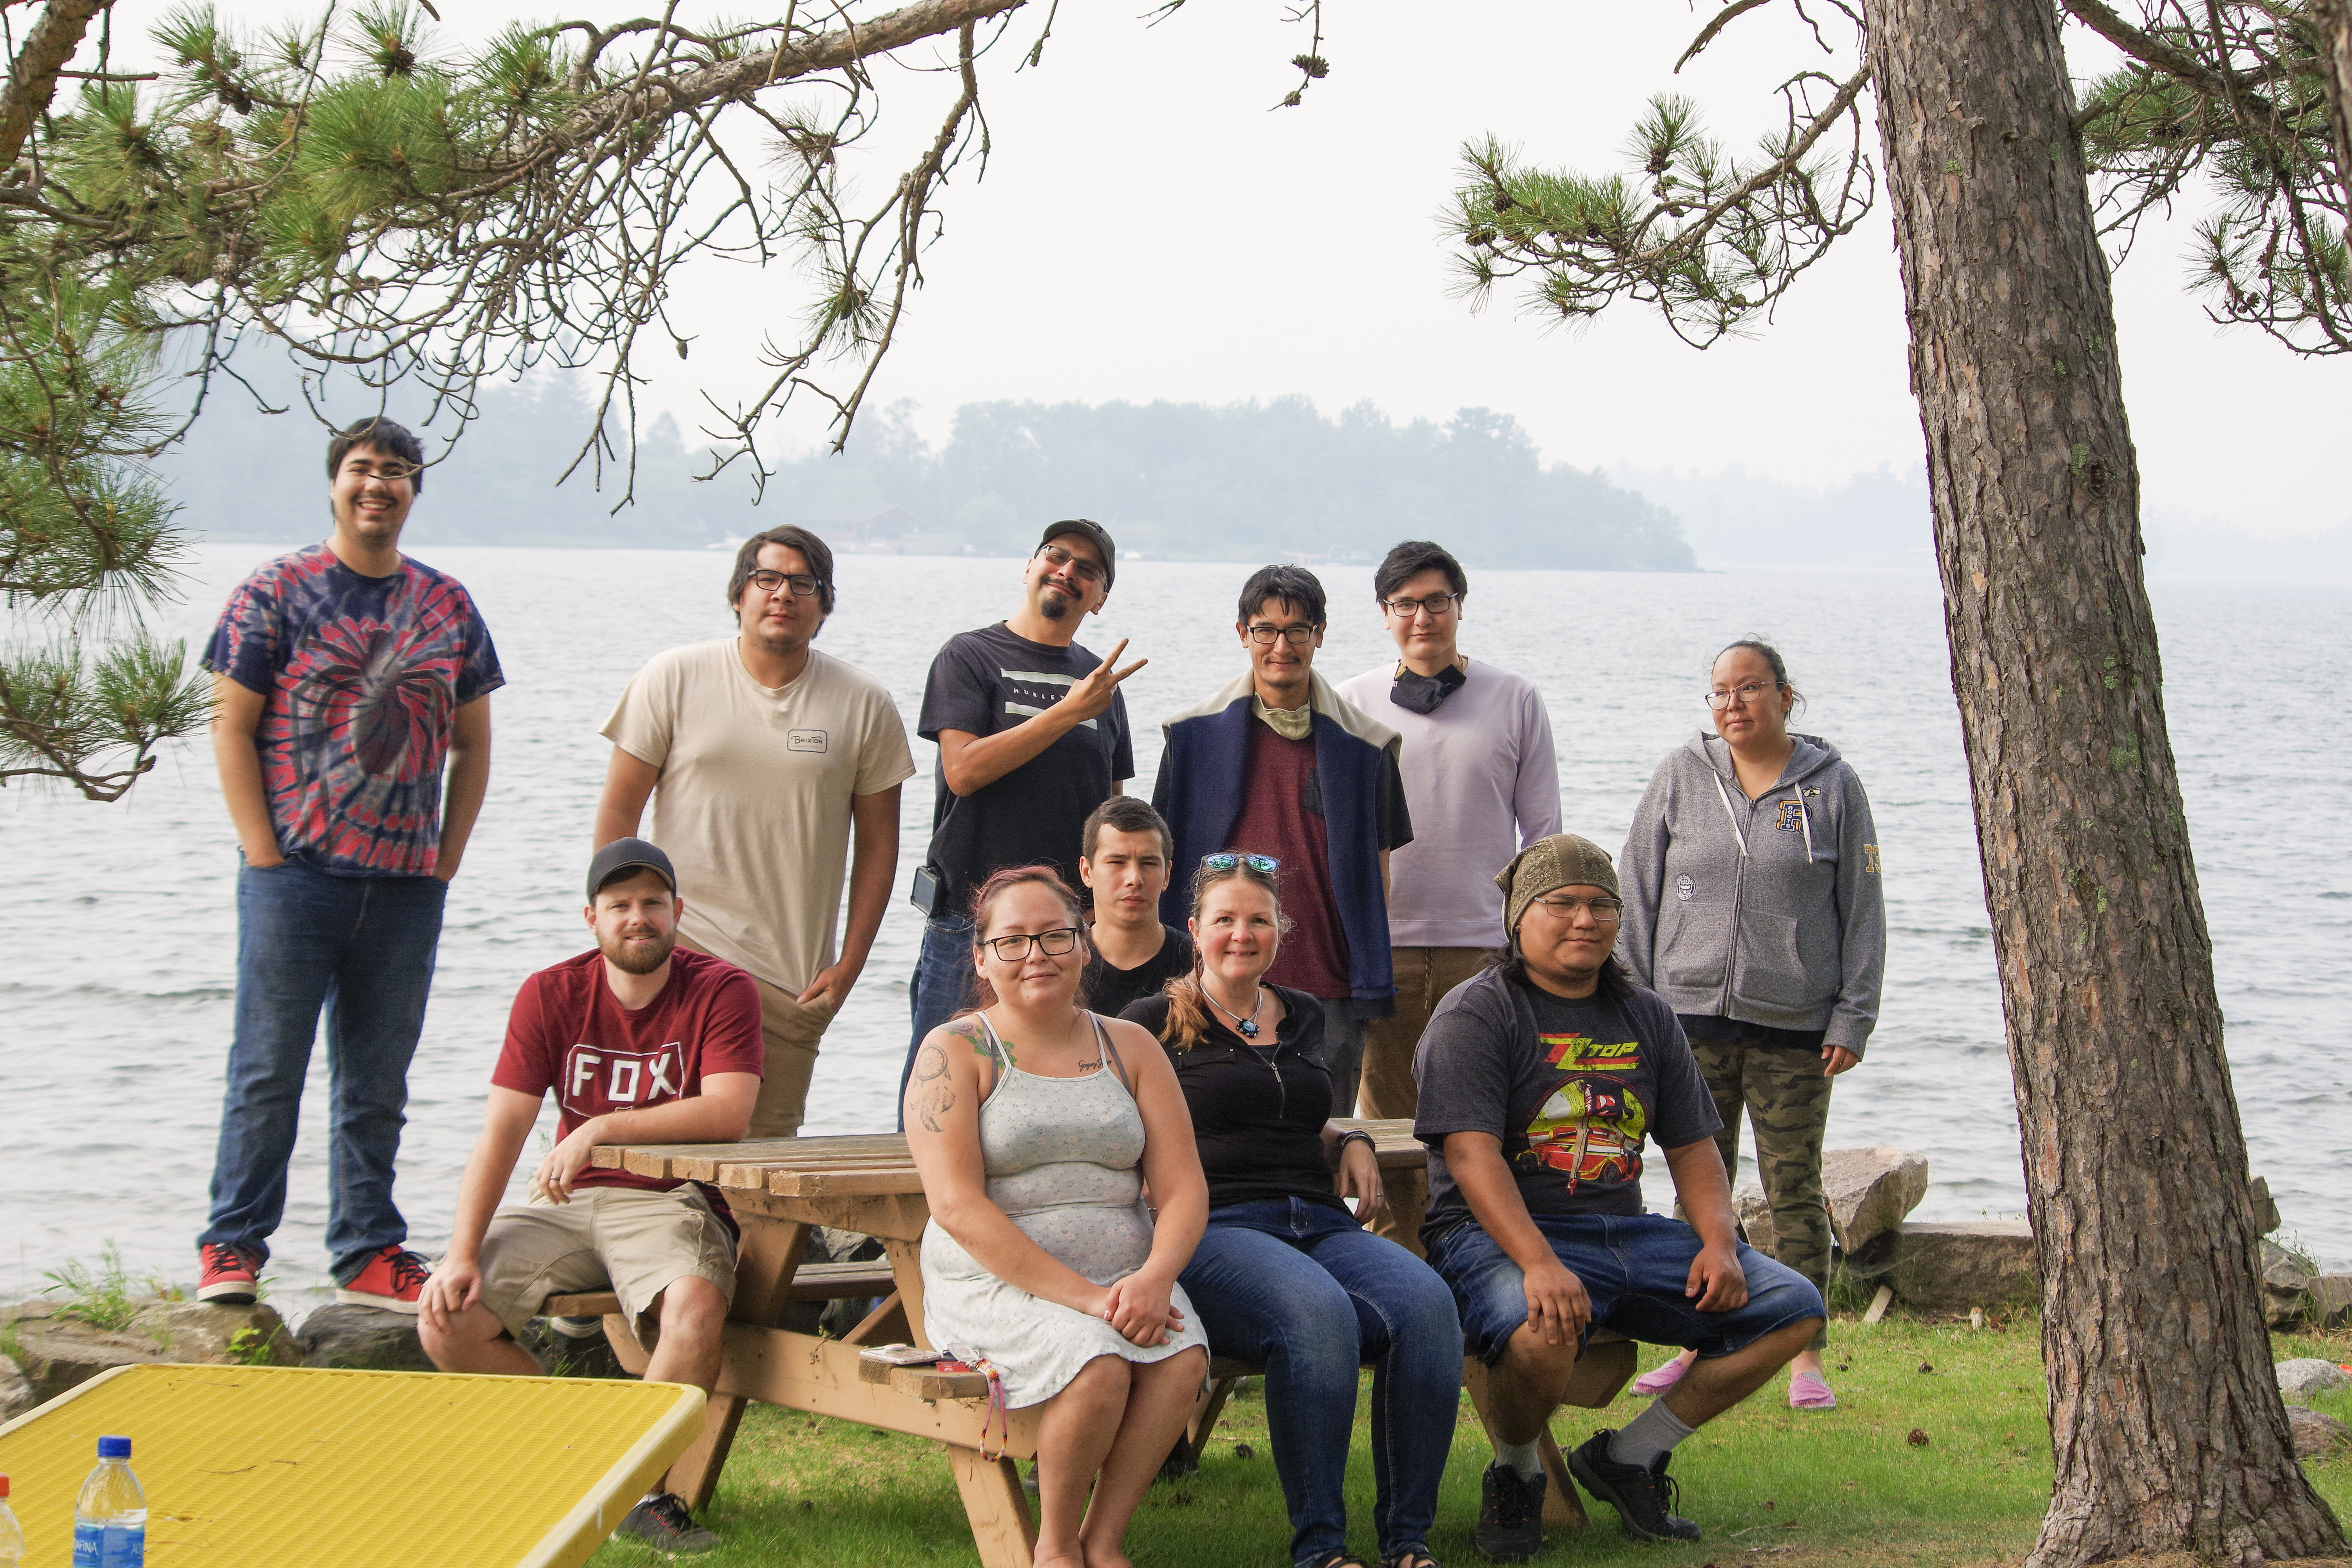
(1284, 1276)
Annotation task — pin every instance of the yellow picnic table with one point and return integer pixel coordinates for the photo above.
(278, 1467)
(782, 1189)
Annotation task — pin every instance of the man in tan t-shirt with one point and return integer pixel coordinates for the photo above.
(764, 760)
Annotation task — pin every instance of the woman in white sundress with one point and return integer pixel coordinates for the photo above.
(1038, 1127)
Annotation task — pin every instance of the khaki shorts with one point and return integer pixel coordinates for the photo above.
(629, 1240)
(791, 1032)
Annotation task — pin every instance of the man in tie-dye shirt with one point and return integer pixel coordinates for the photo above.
(345, 676)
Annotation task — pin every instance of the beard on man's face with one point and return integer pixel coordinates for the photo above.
(639, 954)
(1052, 604)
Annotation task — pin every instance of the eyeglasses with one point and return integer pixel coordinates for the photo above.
(1438, 605)
(1296, 636)
(1226, 860)
(1052, 944)
(1743, 694)
(769, 582)
(1083, 570)
(1566, 906)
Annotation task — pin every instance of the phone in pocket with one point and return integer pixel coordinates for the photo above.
(926, 893)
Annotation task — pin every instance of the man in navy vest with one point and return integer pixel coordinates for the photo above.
(1276, 764)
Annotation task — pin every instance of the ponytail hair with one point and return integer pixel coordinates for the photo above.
(1188, 1004)
(981, 993)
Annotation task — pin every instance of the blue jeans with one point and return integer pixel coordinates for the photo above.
(361, 949)
(1300, 1288)
(942, 986)
(1634, 1268)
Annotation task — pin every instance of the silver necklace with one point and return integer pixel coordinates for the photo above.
(1248, 1027)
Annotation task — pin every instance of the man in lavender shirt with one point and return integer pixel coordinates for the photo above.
(1481, 783)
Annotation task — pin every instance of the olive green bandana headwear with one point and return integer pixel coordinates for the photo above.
(1290, 724)
(1562, 860)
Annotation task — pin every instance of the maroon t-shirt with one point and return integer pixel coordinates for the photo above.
(569, 1033)
(1282, 816)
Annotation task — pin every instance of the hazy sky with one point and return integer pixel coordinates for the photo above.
(1146, 229)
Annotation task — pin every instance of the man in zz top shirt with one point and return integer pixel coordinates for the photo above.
(1590, 1127)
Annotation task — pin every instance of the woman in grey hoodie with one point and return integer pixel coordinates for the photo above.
(1753, 906)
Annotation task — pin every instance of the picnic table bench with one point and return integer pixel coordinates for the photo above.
(782, 1190)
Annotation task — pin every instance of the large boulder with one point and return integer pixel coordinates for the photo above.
(2287, 1281)
(2266, 1215)
(2299, 1380)
(58, 1351)
(2317, 1435)
(2331, 1300)
(1754, 1218)
(363, 1338)
(1870, 1191)
(1944, 1268)
(16, 1390)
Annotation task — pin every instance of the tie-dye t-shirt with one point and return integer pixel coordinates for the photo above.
(1573, 1088)
(361, 676)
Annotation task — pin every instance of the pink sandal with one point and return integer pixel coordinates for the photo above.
(1806, 1392)
(1652, 1383)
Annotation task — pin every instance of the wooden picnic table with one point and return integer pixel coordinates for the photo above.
(780, 1190)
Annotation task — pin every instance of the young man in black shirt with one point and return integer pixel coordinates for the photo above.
(1540, 1080)
(1033, 736)
(1126, 865)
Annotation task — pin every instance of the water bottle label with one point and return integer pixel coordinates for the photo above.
(98, 1546)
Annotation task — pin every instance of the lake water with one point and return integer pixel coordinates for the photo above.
(114, 1013)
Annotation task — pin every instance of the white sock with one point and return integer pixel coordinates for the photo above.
(1520, 1457)
(1643, 1439)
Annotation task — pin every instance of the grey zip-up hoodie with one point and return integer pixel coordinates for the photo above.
(1769, 911)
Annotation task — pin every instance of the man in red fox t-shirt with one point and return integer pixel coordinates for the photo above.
(641, 1044)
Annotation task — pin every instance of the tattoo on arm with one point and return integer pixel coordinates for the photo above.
(937, 1101)
(931, 1063)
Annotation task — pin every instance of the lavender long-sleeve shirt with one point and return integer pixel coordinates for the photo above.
(1481, 784)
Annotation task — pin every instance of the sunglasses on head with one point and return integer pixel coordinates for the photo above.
(1226, 860)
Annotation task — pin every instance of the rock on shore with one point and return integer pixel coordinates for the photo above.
(2299, 1380)
(57, 1352)
(1952, 1267)
(2317, 1435)
(363, 1338)
(1870, 1191)
(16, 1390)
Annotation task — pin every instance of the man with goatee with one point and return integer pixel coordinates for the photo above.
(643, 1042)
(1033, 736)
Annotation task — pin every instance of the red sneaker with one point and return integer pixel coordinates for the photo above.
(227, 1275)
(393, 1280)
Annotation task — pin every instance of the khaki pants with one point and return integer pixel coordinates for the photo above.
(1423, 976)
(791, 1032)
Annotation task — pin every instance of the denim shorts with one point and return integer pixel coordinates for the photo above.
(1634, 1268)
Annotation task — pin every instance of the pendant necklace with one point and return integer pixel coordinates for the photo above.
(1248, 1027)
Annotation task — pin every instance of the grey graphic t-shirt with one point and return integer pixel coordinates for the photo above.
(1573, 1088)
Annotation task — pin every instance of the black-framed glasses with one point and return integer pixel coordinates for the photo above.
(1746, 691)
(768, 581)
(1438, 605)
(1083, 570)
(1225, 860)
(1296, 636)
(1052, 944)
(1565, 905)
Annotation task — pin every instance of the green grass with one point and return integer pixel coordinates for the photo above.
(1769, 1484)
(106, 1296)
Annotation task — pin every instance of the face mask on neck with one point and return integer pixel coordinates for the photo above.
(1418, 693)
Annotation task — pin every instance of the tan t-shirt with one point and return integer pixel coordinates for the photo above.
(753, 803)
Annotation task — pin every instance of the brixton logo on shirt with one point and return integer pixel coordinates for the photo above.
(593, 1077)
(806, 740)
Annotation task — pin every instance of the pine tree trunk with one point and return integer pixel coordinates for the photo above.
(2167, 1428)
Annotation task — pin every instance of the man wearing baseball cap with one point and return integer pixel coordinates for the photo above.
(643, 1042)
(1542, 1080)
(1033, 736)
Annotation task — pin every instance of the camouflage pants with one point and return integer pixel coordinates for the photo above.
(1787, 1096)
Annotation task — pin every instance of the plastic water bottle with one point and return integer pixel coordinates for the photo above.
(12, 1540)
(111, 1515)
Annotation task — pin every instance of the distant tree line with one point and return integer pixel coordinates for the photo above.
(1174, 480)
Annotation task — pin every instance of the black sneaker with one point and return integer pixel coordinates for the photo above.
(1511, 1514)
(1643, 1496)
(663, 1524)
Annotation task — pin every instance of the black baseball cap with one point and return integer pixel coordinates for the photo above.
(628, 855)
(1095, 533)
